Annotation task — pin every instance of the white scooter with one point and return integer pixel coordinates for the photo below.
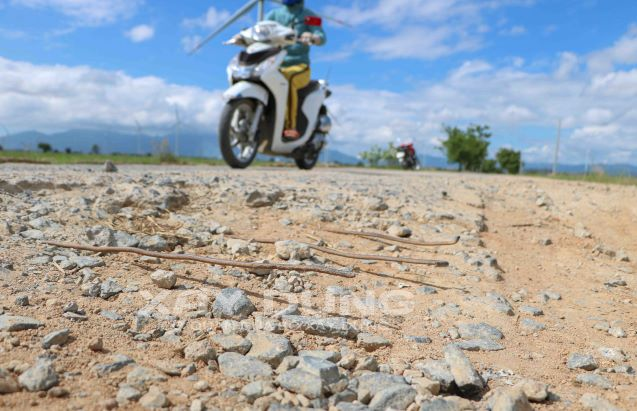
(253, 118)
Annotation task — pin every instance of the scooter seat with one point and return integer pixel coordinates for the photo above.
(309, 89)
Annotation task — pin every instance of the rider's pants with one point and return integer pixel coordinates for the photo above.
(299, 77)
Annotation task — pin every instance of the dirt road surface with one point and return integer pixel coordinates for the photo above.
(535, 311)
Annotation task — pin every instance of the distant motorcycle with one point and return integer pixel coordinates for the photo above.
(253, 118)
(406, 155)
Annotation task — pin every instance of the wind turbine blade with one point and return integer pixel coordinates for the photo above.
(332, 19)
(236, 16)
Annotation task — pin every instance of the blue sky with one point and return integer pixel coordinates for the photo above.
(403, 69)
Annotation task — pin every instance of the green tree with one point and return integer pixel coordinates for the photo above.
(95, 149)
(509, 160)
(45, 147)
(373, 156)
(468, 148)
(489, 166)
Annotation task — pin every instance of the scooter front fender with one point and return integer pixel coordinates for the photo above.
(246, 89)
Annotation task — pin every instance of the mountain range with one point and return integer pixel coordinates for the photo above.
(197, 144)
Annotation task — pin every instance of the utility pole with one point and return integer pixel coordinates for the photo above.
(557, 147)
(261, 10)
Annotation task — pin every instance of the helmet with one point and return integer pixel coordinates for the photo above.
(292, 2)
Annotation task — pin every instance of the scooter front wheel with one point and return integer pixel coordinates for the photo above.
(238, 147)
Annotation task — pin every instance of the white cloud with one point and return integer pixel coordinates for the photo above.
(423, 29)
(87, 12)
(141, 33)
(77, 97)
(212, 19)
(624, 51)
(513, 31)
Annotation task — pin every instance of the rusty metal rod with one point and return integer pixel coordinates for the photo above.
(207, 260)
(392, 238)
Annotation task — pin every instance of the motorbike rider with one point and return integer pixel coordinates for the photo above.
(296, 66)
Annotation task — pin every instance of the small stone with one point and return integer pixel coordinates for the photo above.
(200, 351)
(581, 361)
(535, 391)
(96, 345)
(127, 393)
(437, 371)
(617, 332)
(118, 361)
(154, 399)
(232, 303)
(232, 343)
(109, 167)
(595, 380)
(367, 364)
(164, 279)
(141, 376)
(396, 398)
(425, 385)
(595, 403)
(371, 342)
(236, 365)
(479, 331)
(466, 377)
(512, 399)
(375, 204)
(326, 370)
(531, 326)
(58, 392)
(536, 312)
(201, 386)
(613, 354)
(399, 231)
(333, 356)
(40, 377)
(257, 389)
(22, 300)
(326, 327)
(269, 348)
(109, 288)
(56, 338)
(499, 303)
(292, 250)
(18, 323)
(301, 382)
(8, 384)
(418, 339)
(479, 345)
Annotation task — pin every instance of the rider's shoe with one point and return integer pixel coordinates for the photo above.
(291, 134)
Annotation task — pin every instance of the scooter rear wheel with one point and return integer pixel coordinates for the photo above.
(237, 148)
(308, 160)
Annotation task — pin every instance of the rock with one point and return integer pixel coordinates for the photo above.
(479, 345)
(466, 377)
(395, 398)
(111, 315)
(142, 376)
(337, 290)
(512, 399)
(333, 356)
(87, 262)
(154, 399)
(232, 343)
(56, 338)
(426, 290)
(399, 231)
(8, 384)
(200, 351)
(595, 403)
(58, 392)
(257, 389)
(238, 247)
(127, 393)
(154, 243)
(22, 301)
(233, 304)
(536, 312)
(595, 380)
(442, 404)
(118, 361)
(617, 332)
(581, 232)
(257, 199)
(535, 391)
(437, 371)
(367, 364)
(581, 361)
(18, 323)
(292, 250)
(164, 279)
(109, 288)
(40, 377)
(375, 204)
(499, 303)
(109, 167)
(326, 327)
(376, 381)
(32, 234)
(327, 371)
(613, 354)
(418, 339)
(96, 344)
(479, 331)
(236, 365)
(531, 326)
(301, 382)
(269, 348)
(371, 342)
